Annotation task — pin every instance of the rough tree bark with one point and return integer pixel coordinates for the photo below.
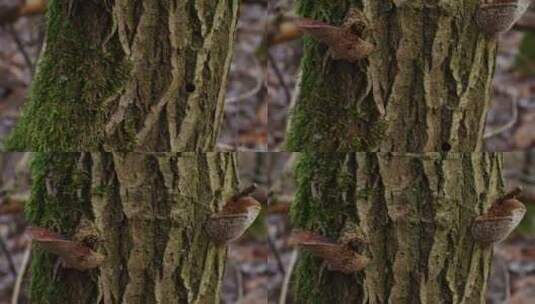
(147, 213)
(425, 87)
(131, 76)
(415, 210)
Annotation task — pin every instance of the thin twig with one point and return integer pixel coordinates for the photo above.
(280, 77)
(11, 30)
(287, 277)
(239, 283)
(507, 284)
(6, 253)
(276, 254)
(259, 79)
(22, 271)
(508, 125)
(258, 86)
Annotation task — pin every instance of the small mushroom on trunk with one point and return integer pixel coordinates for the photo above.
(73, 254)
(342, 42)
(337, 257)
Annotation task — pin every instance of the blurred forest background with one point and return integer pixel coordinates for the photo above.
(262, 80)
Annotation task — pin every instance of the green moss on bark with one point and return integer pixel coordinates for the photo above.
(321, 182)
(148, 212)
(323, 203)
(324, 118)
(425, 86)
(80, 68)
(55, 201)
(415, 211)
(322, 112)
(114, 76)
(57, 204)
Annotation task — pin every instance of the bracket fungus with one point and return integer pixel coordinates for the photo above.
(342, 41)
(238, 213)
(500, 220)
(496, 16)
(337, 257)
(73, 254)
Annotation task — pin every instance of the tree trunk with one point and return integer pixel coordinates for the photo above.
(130, 75)
(146, 213)
(416, 211)
(425, 87)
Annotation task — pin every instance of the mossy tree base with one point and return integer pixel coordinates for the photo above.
(416, 210)
(147, 213)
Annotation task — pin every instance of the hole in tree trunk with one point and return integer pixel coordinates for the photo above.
(190, 88)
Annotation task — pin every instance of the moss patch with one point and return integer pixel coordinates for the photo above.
(324, 203)
(333, 112)
(55, 204)
(329, 120)
(79, 69)
(54, 201)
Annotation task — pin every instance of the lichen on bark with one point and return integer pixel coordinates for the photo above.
(147, 212)
(426, 87)
(130, 76)
(416, 211)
